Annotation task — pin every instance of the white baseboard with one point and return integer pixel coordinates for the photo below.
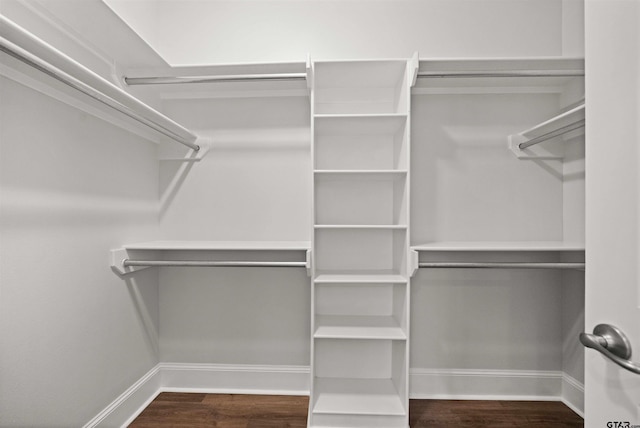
(210, 378)
(463, 384)
(235, 379)
(458, 384)
(130, 403)
(573, 394)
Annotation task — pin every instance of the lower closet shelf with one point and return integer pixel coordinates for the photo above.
(357, 397)
(362, 276)
(358, 327)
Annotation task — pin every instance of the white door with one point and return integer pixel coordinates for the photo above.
(612, 46)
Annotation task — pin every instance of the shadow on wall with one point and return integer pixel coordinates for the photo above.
(143, 289)
(175, 174)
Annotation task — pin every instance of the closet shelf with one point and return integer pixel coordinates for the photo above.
(42, 58)
(499, 246)
(552, 255)
(359, 115)
(133, 257)
(360, 172)
(359, 124)
(497, 75)
(358, 327)
(361, 226)
(356, 397)
(359, 276)
(221, 245)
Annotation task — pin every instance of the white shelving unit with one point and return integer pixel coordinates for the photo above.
(360, 296)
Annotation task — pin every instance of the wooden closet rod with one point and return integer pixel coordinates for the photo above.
(20, 44)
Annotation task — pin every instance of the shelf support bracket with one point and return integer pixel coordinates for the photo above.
(309, 71)
(308, 263)
(414, 262)
(414, 66)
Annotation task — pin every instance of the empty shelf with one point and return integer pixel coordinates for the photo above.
(358, 327)
(499, 246)
(360, 226)
(356, 396)
(360, 276)
(222, 245)
(359, 124)
(360, 172)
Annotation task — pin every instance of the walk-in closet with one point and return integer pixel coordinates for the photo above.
(363, 203)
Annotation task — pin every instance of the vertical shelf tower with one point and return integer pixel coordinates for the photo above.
(360, 291)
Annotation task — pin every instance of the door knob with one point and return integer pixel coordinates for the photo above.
(611, 342)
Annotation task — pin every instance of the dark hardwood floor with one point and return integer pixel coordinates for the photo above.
(179, 410)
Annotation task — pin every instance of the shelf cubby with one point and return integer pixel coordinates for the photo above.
(360, 87)
(360, 378)
(362, 402)
(373, 311)
(361, 250)
(361, 142)
(358, 327)
(369, 198)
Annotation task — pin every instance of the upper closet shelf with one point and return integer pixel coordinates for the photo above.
(516, 75)
(499, 246)
(27, 58)
(525, 144)
(278, 79)
(133, 257)
(365, 116)
(222, 245)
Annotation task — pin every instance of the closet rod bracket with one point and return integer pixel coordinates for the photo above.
(118, 258)
(308, 263)
(538, 152)
(414, 262)
(171, 153)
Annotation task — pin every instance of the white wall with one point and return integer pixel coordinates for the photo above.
(254, 185)
(467, 186)
(486, 320)
(141, 16)
(235, 316)
(74, 335)
(573, 28)
(234, 31)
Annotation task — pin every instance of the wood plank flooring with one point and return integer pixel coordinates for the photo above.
(178, 410)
